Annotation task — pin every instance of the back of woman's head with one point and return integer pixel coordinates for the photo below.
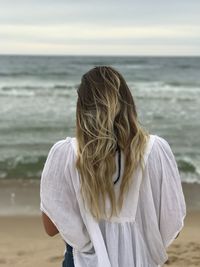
(106, 118)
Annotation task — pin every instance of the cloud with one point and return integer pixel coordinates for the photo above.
(92, 27)
(90, 32)
(127, 12)
(98, 49)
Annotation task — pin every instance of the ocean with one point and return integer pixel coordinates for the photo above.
(38, 104)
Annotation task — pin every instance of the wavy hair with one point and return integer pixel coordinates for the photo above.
(106, 118)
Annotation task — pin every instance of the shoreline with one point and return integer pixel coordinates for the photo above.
(22, 197)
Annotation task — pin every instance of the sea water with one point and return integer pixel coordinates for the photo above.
(38, 105)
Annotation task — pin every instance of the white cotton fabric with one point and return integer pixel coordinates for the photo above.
(152, 215)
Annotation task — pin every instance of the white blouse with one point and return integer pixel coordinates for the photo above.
(152, 215)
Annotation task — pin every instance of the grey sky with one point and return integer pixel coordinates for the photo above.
(100, 27)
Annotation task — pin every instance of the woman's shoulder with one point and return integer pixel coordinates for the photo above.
(161, 151)
(60, 155)
(62, 142)
(61, 146)
(158, 138)
(159, 143)
(153, 145)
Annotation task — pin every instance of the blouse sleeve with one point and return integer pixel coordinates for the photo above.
(58, 198)
(167, 191)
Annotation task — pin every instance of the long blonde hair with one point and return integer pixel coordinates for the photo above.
(106, 117)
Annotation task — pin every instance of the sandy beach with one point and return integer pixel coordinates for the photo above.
(23, 242)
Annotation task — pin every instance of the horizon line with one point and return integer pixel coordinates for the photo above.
(96, 55)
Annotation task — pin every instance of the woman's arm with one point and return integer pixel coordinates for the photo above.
(177, 235)
(50, 228)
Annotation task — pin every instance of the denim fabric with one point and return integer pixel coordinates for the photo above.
(68, 260)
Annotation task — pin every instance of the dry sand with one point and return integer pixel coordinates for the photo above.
(23, 243)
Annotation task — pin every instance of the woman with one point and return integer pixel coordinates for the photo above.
(113, 192)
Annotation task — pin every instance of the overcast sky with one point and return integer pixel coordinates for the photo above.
(100, 27)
